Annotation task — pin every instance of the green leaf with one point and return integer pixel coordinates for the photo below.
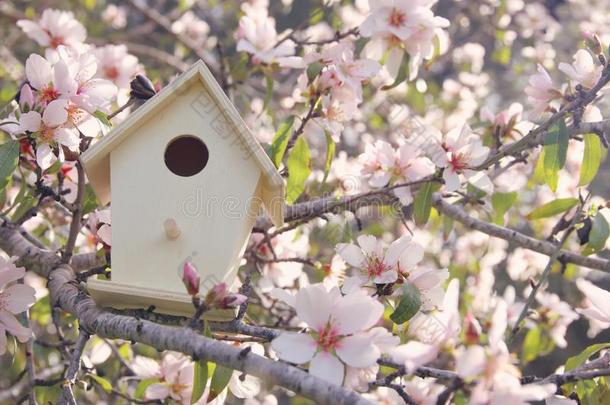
(330, 154)
(531, 343)
(555, 152)
(200, 380)
(582, 357)
(313, 70)
(299, 169)
(501, 203)
(26, 203)
(422, 204)
(9, 158)
(409, 304)
(104, 383)
(403, 71)
(280, 141)
(598, 235)
(219, 382)
(142, 385)
(103, 118)
(552, 208)
(90, 201)
(591, 159)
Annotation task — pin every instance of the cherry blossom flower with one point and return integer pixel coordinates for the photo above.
(49, 81)
(383, 164)
(497, 379)
(540, 91)
(598, 308)
(523, 264)
(374, 264)
(49, 131)
(337, 332)
(556, 315)
(14, 299)
(341, 69)
(286, 245)
(463, 151)
(396, 26)
(79, 84)
(191, 26)
(410, 165)
(55, 28)
(175, 374)
(115, 15)
(257, 35)
(376, 160)
(583, 71)
(115, 64)
(99, 223)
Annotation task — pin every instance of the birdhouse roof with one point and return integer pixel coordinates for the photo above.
(96, 160)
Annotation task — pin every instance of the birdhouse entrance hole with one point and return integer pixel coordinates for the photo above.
(186, 155)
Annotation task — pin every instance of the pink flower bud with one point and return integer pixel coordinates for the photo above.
(26, 98)
(190, 278)
(220, 297)
(232, 301)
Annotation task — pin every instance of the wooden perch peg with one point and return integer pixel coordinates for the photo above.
(172, 231)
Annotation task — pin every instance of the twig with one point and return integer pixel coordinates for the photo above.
(75, 225)
(67, 396)
(552, 259)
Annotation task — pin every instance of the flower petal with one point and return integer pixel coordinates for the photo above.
(356, 312)
(18, 298)
(358, 351)
(56, 113)
(38, 71)
(30, 121)
(293, 347)
(327, 367)
(314, 305)
(351, 253)
(44, 156)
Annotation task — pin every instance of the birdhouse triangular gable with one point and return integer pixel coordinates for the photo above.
(227, 124)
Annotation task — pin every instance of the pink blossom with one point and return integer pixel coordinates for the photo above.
(191, 26)
(257, 35)
(396, 26)
(583, 71)
(115, 64)
(79, 84)
(337, 334)
(540, 90)
(99, 223)
(497, 379)
(175, 374)
(463, 151)
(373, 263)
(49, 130)
(14, 299)
(55, 28)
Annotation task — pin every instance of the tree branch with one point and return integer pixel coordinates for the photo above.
(65, 293)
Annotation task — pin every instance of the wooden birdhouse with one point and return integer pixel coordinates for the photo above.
(186, 179)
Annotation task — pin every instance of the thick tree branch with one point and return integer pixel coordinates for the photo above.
(66, 294)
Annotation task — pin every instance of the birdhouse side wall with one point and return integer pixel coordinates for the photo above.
(214, 209)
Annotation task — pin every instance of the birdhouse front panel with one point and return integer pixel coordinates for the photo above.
(182, 168)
